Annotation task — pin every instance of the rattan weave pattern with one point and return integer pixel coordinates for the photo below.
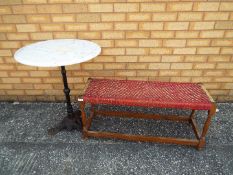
(147, 94)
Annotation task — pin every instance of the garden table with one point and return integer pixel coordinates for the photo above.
(60, 52)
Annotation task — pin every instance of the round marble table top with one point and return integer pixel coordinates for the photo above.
(58, 52)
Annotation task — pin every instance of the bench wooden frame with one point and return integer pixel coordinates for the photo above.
(199, 142)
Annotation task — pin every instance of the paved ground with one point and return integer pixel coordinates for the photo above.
(26, 149)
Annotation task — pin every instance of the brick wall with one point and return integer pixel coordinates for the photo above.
(187, 41)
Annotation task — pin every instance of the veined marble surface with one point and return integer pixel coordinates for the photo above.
(58, 52)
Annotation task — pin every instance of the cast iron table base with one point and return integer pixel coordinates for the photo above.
(73, 119)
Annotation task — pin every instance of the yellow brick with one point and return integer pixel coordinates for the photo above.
(5, 10)
(126, 59)
(150, 43)
(92, 17)
(60, 1)
(15, 92)
(101, 26)
(169, 73)
(190, 16)
(64, 35)
(100, 7)
(24, 9)
(43, 86)
(74, 8)
(11, 80)
(38, 18)
(126, 43)
(227, 86)
(206, 6)
(105, 43)
(136, 66)
(6, 67)
(113, 34)
(224, 25)
(113, 17)
(51, 27)
(86, 1)
(151, 26)
(50, 80)
(147, 73)
(199, 42)
(149, 59)
(229, 34)
(114, 66)
(186, 34)
(41, 36)
(23, 86)
(35, 1)
(153, 7)
(105, 73)
(14, 19)
(159, 66)
(162, 34)
(53, 92)
(126, 7)
(76, 27)
(104, 59)
(219, 58)
(11, 2)
(181, 66)
(155, 51)
(34, 92)
(135, 51)
(137, 34)
(7, 28)
(113, 51)
(19, 74)
(89, 35)
(174, 43)
(216, 16)
(164, 16)
(226, 6)
(204, 66)
(196, 58)
(63, 18)
(191, 73)
(9, 44)
(208, 50)
(222, 42)
(5, 52)
(218, 92)
(6, 86)
(24, 67)
(172, 58)
(39, 73)
(176, 25)
(31, 80)
(201, 79)
(3, 74)
(212, 34)
(139, 17)
(202, 25)
(126, 73)
(214, 73)
(57, 8)
(227, 51)
(184, 51)
(179, 6)
(27, 27)
(126, 26)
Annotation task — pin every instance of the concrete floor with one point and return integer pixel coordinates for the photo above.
(26, 149)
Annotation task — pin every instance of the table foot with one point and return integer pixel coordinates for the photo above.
(69, 123)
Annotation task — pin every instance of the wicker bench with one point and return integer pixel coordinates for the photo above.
(190, 96)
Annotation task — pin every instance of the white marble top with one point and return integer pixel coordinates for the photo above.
(58, 52)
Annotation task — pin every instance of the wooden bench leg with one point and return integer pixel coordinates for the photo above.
(211, 113)
(84, 119)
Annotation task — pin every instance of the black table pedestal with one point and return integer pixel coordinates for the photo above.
(73, 119)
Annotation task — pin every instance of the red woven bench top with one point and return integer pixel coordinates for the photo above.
(147, 94)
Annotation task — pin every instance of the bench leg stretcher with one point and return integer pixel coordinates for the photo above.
(199, 142)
